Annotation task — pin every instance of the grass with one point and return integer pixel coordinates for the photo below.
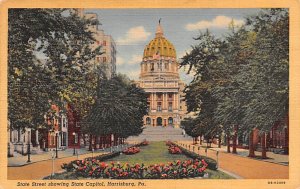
(154, 153)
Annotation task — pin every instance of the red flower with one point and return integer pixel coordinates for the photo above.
(164, 175)
(103, 165)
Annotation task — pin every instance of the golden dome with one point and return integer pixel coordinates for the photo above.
(159, 45)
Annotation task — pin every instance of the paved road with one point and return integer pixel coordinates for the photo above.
(245, 167)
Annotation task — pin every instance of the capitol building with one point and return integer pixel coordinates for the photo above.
(159, 77)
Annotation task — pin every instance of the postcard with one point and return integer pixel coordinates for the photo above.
(140, 94)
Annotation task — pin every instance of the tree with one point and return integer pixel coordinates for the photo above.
(245, 85)
(203, 60)
(34, 83)
(119, 109)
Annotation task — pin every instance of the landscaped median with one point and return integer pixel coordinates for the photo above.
(152, 162)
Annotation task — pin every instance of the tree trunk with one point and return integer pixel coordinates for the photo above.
(220, 138)
(263, 146)
(90, 144)
(234, 140)
(251, 146)
(200, 140)
(228, 143)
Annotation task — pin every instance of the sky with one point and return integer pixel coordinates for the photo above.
(133, 29)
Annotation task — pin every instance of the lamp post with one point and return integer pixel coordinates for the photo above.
(56, 142)
(74, 143)
(28, 148)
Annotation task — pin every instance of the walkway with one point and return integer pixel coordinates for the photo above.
(41, 169)
(20, 160)
(242, 166)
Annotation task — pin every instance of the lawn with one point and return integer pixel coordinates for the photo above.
(154, 153)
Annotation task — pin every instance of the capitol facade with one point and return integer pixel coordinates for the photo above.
(160, 79)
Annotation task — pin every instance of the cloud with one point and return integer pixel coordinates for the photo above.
(217, 22)
(134, 35)
(135, 59)
(134, 74)
(120, 61)
(183, 53)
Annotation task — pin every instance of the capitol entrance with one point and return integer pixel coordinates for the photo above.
(159, 121)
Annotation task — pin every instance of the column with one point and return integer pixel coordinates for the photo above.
(164, 101)
(174, 100)
(155, 101)
(152, 101)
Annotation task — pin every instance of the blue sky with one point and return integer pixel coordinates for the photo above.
(132, 29)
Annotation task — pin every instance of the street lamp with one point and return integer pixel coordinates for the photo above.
(28, 148)
(74, 143)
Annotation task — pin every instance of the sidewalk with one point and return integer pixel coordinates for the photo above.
(245, 167)
(272, 157)
(21, 160)
(41, 169)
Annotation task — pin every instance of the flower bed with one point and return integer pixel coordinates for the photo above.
(173, 170)
(70, 166)
(174, 150)
(131, 150)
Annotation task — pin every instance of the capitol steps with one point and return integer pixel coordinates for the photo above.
(161, 134)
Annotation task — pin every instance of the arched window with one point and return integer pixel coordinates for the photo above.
(152, 67)
(170, 120)
(148, 121)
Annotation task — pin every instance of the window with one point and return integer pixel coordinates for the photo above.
(159, 97)
(148, 121)
(104, 43)
(166, 66)
(63, 139)
(104, 59)
(152, 67)
(170, 107)
(159, 106)
(170, 97)
(170, 120)
(64, 122)
(76, 138)
(148, 106)
(98, 59)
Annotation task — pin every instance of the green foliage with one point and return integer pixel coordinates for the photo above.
(242, 79)
(119, 109)
(48, 61)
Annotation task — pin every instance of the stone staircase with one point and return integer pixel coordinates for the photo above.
(160, 133)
